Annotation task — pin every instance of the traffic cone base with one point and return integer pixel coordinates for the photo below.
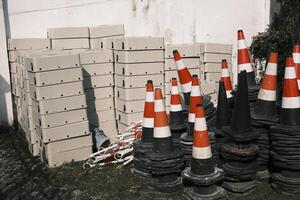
(241, 189)
(166, 184)
(239, 152)
(215, 176)
(213, 192)
(238, 171)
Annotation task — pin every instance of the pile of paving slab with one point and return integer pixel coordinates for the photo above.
(82, 78)
(251, 136)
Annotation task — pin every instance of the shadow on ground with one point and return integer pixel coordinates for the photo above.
(24, 177)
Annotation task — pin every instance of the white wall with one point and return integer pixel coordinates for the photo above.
(179, 21)
(6, 113)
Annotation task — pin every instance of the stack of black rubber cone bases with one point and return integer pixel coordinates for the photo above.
(145, 144)
(203, 173)
(166, 161)
(285, 137)
(240, 149)
(222, 119)
(265, 114)
(176, 116)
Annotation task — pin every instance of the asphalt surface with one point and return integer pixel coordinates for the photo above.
(25, 177)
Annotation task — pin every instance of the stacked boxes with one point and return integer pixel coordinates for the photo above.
(211, 59)
(103, 37)
(98, 74)
(69, 38)
(20, 85)
(190, 54)
(59, 111)
(137, 60)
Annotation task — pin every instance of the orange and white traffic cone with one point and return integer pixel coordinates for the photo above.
(148, 121)
(296, 57)
(195, 99)
(203, 172)
(201, 145)
(290, 108)
(265, 106)
(185, 77)
(226, 78)
(239, 150)
(176, 118)
(244, 62)
(162, 134)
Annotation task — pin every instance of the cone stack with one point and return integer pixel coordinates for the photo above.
(165, 160)
(203, 173)
(265, 114)
(239, 151)
(142, 147)
(285, 136)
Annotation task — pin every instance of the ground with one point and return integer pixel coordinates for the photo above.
(25, 177)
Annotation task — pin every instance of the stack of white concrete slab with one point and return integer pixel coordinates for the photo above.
(26, 121)
(20, 86)
(212, 56)
(69, 38)
(98, 75)
(59, 108)
(190, 54)
(137, 60)
(103, 37)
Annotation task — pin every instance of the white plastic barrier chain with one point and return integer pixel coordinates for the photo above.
(118, 152)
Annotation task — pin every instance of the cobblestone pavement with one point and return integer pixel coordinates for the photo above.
(24, 177)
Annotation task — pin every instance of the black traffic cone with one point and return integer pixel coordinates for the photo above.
(241, 129)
